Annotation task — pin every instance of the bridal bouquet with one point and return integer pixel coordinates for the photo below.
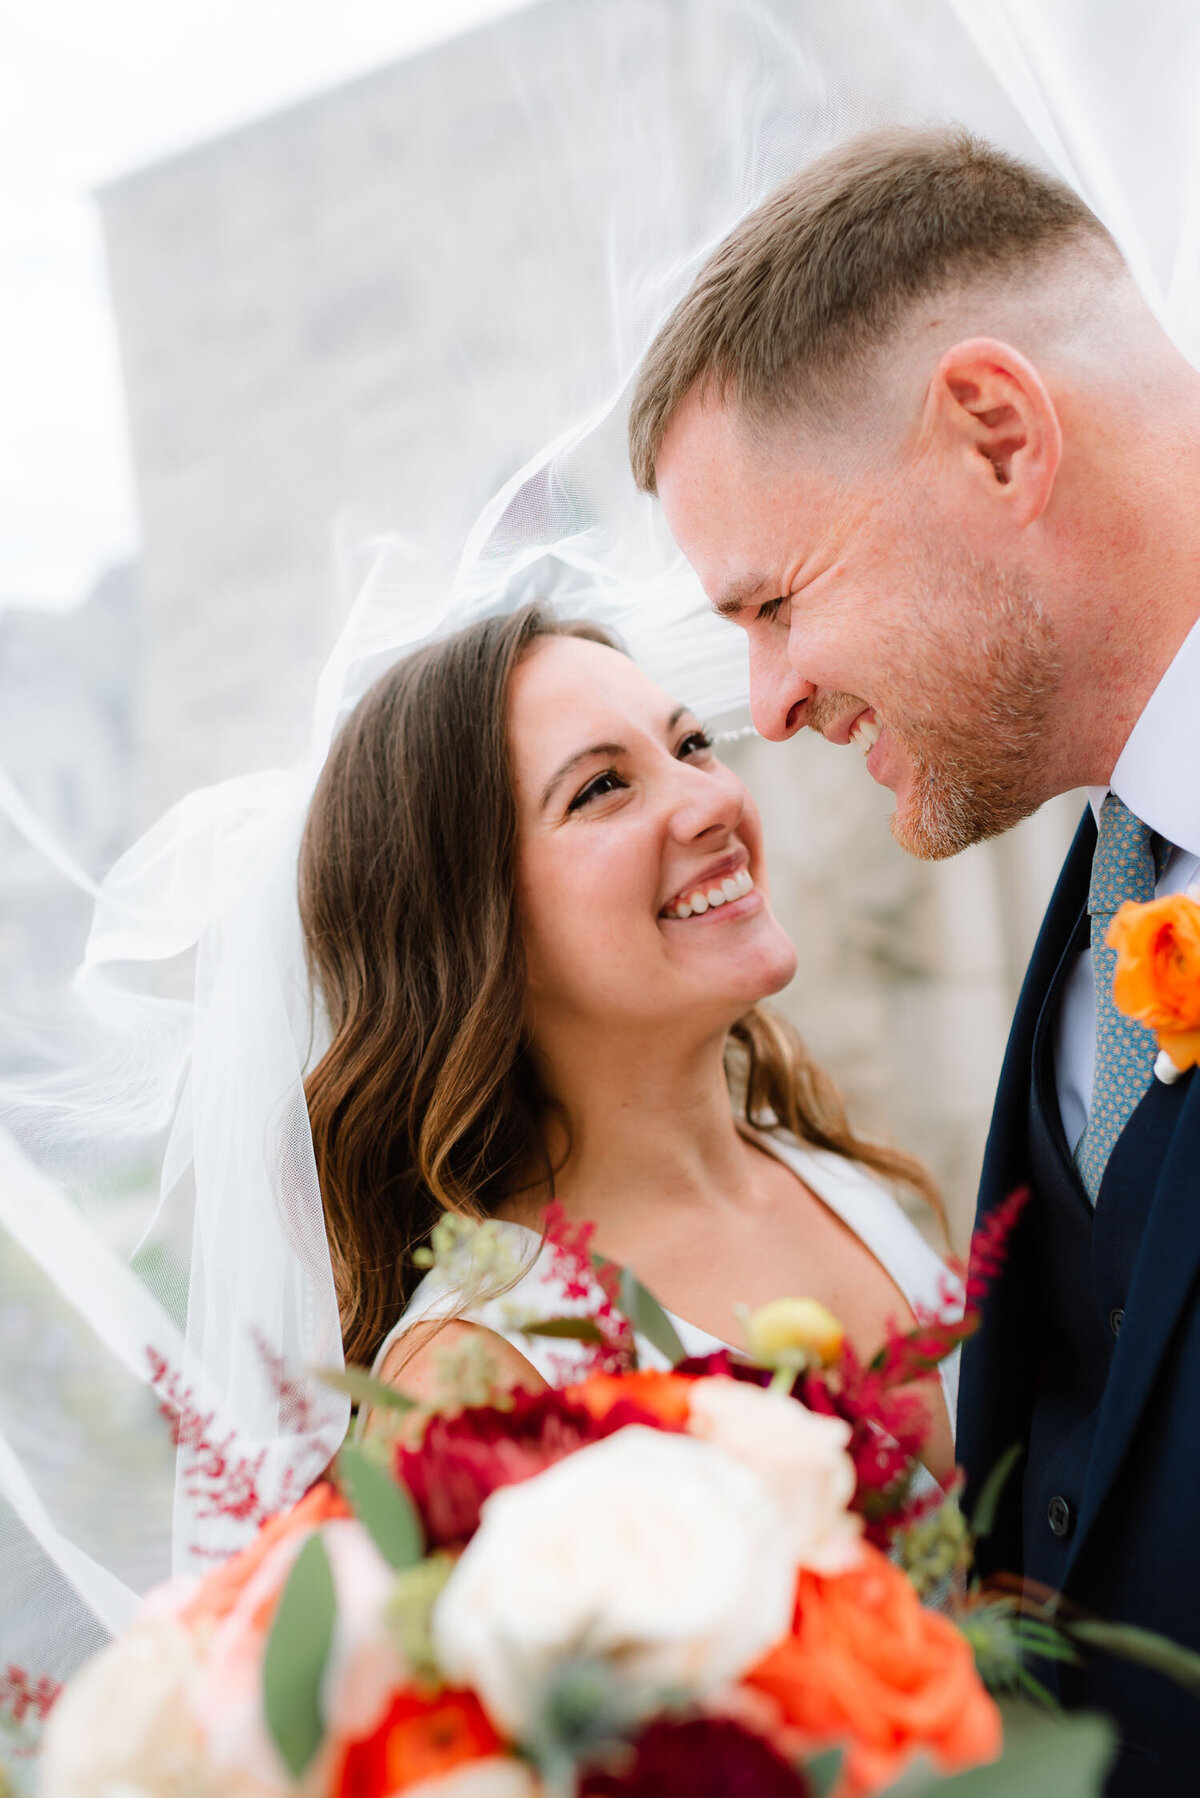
(651, 1583)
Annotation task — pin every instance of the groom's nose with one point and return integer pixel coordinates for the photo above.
(779, 696)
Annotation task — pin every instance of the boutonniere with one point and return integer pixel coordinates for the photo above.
(1157, 980)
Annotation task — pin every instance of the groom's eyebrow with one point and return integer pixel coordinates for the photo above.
(733, 598)
(594, 749)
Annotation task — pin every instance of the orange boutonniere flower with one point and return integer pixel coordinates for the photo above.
(1157, 980)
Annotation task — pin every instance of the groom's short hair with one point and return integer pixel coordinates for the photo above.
(825, 270)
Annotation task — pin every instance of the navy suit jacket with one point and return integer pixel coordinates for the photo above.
(1133, 1553)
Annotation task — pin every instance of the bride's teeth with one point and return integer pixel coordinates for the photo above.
(731, 889)
(745, 882)
(866, 734)
(698, 902)
(715, 896)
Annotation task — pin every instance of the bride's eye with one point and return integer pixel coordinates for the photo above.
(694, 743)
(599, 785)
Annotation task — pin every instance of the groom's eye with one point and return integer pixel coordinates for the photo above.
(769, 610)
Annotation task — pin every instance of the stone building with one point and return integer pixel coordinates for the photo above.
(367, 311)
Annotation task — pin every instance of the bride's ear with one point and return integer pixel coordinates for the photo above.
(991, 418)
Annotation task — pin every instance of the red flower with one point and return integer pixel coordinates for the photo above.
(701, 1757)
(462, 1459)
(420, 1737)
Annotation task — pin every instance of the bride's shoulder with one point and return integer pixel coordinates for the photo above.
(498, 1278)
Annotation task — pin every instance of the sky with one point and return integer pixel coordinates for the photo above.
(89, 90)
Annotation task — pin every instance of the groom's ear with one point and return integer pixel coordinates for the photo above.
(990, 415)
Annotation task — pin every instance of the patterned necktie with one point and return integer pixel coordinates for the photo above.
(1123, 867)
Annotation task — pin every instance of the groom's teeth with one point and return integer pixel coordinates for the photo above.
(698, 902)
(683, 909)
(866, 734)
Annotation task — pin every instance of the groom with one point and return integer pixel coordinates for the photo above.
(924, 442)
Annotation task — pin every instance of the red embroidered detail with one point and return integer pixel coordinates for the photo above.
(22, 1693)
(223, 1482)
(296, 1405)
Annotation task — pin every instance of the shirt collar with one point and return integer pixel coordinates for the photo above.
(1158, 772)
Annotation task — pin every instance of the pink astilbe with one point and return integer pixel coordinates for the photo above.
(990, 1246)
(569, 1249)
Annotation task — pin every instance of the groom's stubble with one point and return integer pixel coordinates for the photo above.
(971, 699)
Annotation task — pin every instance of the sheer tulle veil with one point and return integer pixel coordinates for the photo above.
(157, 1394)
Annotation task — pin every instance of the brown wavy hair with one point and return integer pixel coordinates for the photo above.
(427, 1099)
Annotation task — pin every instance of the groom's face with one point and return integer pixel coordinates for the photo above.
(872, 617)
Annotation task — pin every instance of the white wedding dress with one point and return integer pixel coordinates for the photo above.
(537, 1290)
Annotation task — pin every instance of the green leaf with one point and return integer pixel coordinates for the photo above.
(1142, 1646)
(638, 1305)
(1045, 1756)
(297, 1650)
(823, 1771)
(573, 1329)
(383, 1505)
(364, 1389)
(983, 1519)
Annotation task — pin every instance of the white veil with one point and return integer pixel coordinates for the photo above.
(157, 1397)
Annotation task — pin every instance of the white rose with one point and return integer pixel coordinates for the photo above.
(122, 1722)
(656, 1550)
(800, 1456)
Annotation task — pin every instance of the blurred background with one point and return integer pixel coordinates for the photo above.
(275, 279)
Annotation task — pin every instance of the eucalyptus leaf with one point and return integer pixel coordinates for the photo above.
(983, 1518)
(1045, 1756)
(823, 1772)
(364, 1388)
(638, 1305)
(571, 1329)
(383, 1506)
(297, 1650)
(1129, 1643)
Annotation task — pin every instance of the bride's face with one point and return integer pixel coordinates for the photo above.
(640, 876)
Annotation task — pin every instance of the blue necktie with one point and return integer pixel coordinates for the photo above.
(1123, 867)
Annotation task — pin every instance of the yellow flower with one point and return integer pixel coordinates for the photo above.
(793, 1333)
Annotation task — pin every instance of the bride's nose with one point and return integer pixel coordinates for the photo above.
(706, 800)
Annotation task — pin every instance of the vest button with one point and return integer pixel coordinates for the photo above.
(1116, 1318)
(1059, 1516)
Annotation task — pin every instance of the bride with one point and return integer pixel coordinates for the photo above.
(535, 906)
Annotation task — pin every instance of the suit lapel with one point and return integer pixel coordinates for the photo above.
(1163, 1276)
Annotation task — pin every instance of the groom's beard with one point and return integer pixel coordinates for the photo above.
(972, 706)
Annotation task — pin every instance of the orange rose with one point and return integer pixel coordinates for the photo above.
(422, 1736)
(869, 1668)
(219, 1591)
(665, 1396)
(1158, 971)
